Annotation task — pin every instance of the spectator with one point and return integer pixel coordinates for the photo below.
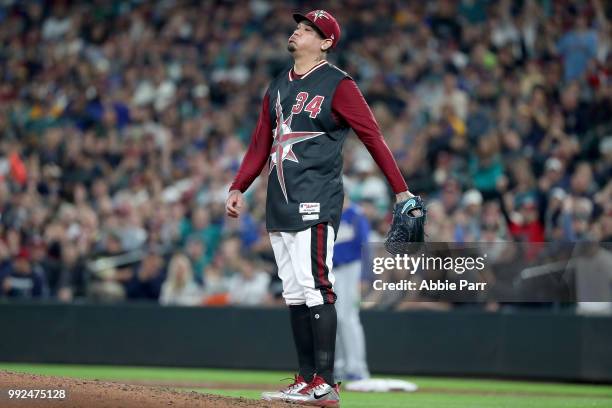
(134, 130)
(109, 278)
(196, 251)
(486, 167)
(369, 185)
(21, 279)
(451, 95)
(71, 280)
(147, 278)
(180, 287)
(199, 225)
(249, 287)
(216, 284)
(246, 227)
(582, 183)
(577, 47)
(577, 218)
(525, 224)
(467, 228)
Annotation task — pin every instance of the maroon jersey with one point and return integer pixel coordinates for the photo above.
(304, 153)
(305, 167)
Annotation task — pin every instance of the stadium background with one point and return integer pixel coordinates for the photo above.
(122, 124)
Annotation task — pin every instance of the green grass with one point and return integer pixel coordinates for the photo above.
(434, 392)
(427, 400)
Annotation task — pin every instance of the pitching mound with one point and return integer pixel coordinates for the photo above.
(102, 394)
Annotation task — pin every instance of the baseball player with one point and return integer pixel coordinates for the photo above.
(305, 116)
(350, 363)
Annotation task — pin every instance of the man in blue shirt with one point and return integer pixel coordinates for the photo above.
(577, 48)
(350, 341)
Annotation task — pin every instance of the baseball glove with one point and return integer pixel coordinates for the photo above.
(408, 225)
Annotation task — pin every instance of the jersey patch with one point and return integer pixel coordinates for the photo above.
(309, 208)
(310, 217)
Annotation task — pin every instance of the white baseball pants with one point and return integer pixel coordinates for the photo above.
(350, 340)
(304, 260)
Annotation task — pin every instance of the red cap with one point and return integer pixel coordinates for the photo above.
(325, 22)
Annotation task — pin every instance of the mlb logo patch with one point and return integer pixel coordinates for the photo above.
(310, 208)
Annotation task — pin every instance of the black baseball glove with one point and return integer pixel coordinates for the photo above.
(408, 225)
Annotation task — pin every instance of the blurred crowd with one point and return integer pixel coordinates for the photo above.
(123, 122)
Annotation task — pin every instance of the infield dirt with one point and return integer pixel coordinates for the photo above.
(105, 394)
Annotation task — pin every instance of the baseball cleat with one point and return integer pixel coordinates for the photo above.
(318, 393)
(295, 387)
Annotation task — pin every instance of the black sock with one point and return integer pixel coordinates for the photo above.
(324, 322)
(303, 338)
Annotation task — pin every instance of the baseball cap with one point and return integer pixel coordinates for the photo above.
(553, 164)
(472, 197)
(325, 23)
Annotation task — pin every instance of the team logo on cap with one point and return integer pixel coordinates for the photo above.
(320, 14)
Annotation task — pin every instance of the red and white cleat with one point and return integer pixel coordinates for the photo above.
(295, 387)
(318, 393)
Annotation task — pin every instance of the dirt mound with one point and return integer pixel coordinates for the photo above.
(103, 394)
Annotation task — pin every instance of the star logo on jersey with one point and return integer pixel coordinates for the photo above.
(320, 14)
(282, 148)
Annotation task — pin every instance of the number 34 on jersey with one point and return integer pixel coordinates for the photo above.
(313, 107)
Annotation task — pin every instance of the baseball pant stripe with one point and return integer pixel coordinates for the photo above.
(331, 298)
(320, 260)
